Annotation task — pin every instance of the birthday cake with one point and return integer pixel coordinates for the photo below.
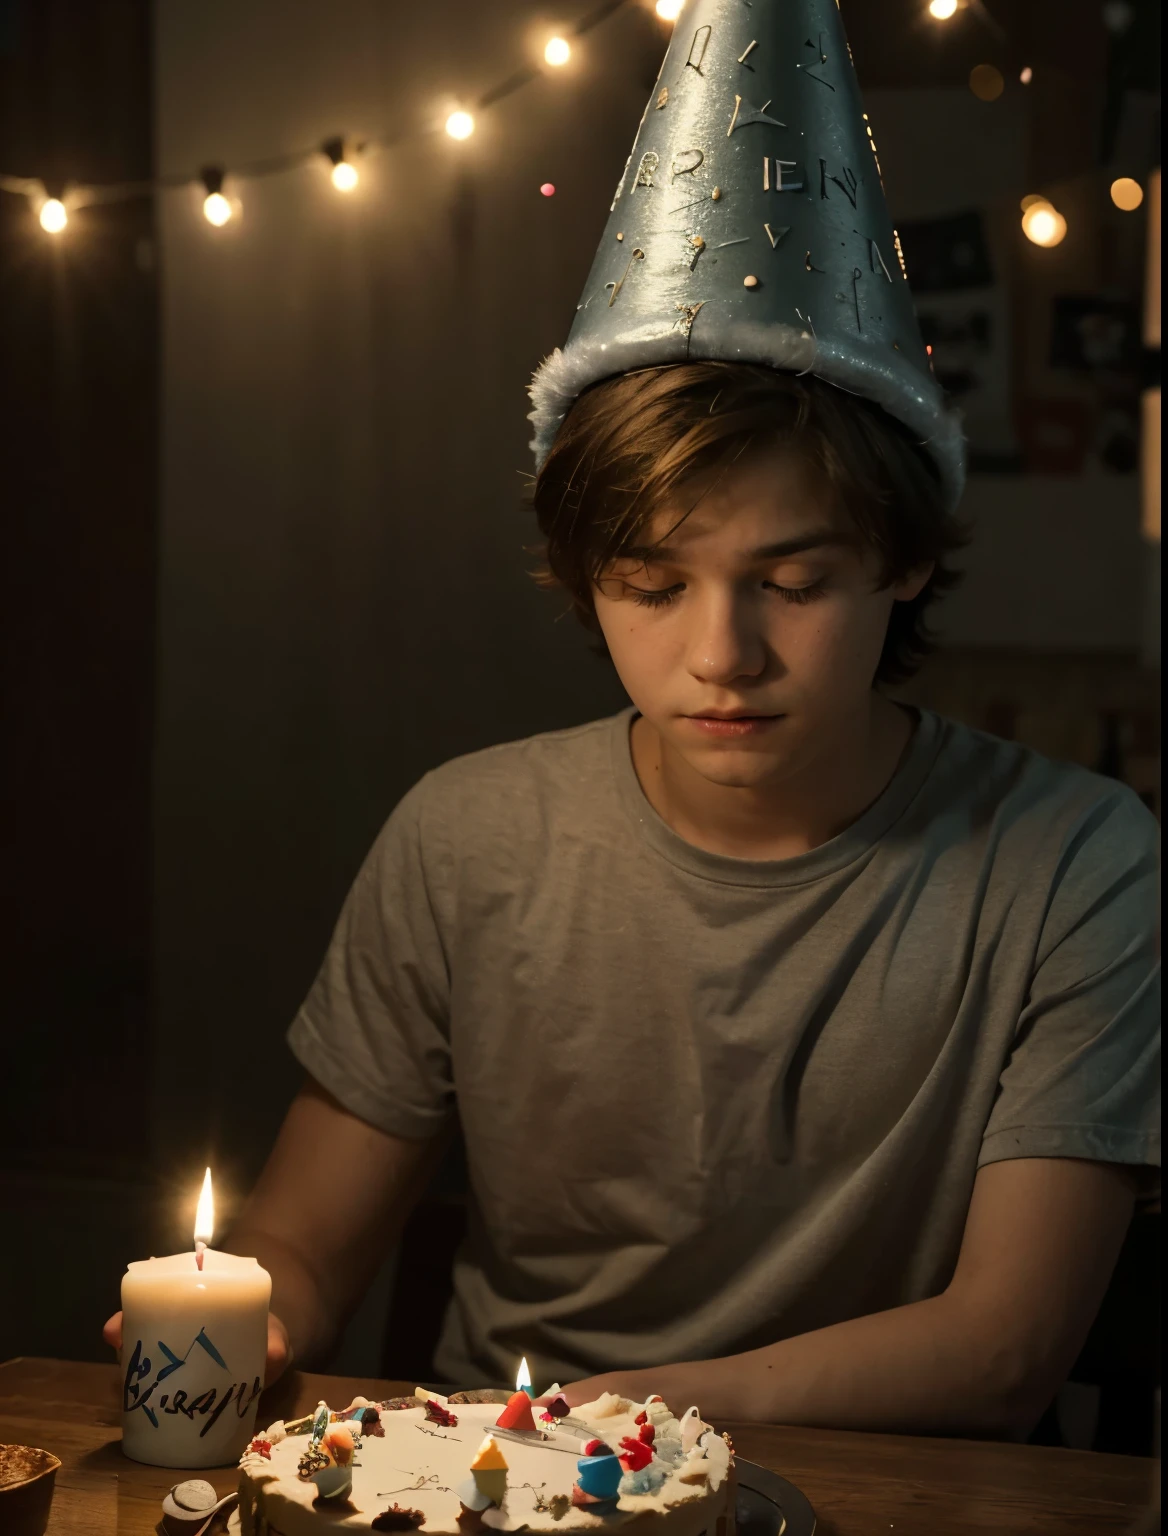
(453, 1466)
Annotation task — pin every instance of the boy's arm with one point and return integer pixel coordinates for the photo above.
(982, 1359)
(332, 1199)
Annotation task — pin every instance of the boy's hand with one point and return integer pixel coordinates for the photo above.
(279, 1349)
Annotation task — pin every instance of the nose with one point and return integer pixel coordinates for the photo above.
(726, 642)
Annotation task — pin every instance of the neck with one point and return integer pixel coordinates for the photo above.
(777, 820)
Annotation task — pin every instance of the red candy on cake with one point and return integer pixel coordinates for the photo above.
(261, 1447)
(647, 1434)
(439, 1415)
(634, 1454)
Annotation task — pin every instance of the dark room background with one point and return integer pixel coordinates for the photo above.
(265, 545)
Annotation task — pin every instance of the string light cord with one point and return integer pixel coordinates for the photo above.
(87, 194)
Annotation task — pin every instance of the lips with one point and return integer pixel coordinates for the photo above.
(731, 725)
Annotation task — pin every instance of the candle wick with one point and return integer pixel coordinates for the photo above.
(200, 1250)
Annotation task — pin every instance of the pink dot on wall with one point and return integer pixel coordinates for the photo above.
(547, 190)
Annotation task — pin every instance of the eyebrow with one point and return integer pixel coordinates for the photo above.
(817, 538)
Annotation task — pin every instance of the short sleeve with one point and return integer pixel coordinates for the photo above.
(1083, 1075)
(374, 1029)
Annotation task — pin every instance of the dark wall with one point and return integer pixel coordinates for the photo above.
(78, 444)
(344, 599)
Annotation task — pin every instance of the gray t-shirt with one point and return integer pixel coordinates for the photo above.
(712, 1102)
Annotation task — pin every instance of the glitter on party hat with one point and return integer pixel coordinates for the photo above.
(750, 226)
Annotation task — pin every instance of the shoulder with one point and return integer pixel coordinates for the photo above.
(504, 789)
(1054, 818)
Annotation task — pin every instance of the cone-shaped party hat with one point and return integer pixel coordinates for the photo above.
(750, 226)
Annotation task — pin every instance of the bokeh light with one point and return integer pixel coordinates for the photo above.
(548, 189)
(344, 176)
(942, 10)
(1043, 224)
(53, 216)
(558, 51)
(986, 82)
(1126, 194)
(669, 10)
(460, 125)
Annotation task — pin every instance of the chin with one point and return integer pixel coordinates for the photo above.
(736, 768)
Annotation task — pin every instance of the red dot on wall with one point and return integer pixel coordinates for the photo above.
(547, 190)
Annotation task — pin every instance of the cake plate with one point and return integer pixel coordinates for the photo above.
(768, 1505)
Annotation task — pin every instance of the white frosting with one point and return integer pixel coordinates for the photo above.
(419, 1465)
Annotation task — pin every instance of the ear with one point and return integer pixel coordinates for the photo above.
(912, 584)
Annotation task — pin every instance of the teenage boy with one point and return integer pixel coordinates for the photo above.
(804, 1046)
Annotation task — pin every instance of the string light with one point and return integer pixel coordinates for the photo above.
(1042, 223)
(1125, 193)
(557, 52)
(942, 10)
(669, 10)
(53, 216)
(216, 209)
(460, 125)
(344, 173)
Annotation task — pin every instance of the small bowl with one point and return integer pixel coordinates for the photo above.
(26, 1489)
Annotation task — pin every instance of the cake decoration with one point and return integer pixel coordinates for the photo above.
(439, 1415)
(557, 1506)
(635, 1454)
(328, 1462)
(489, 1470)
(600, 1472)
(517, 1414)
(395, 1518)
(691, 1428)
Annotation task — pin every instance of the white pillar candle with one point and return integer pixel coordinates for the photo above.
(194, 1345)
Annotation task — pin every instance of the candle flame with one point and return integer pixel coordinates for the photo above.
(205, 1214)
(522, 1376)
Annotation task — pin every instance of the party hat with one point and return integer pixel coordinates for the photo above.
(750, 226)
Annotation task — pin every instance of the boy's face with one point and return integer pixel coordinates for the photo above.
(750, 638)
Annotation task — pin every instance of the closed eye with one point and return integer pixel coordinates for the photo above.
(659, 599)
(805, 594)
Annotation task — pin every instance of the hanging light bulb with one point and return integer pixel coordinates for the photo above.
(558, 51)
(53, 216)
(460, 125)
(216, 209)
(1126, 193)
(669, 10)
(344, 172)
(942, 10)
(1042, 223)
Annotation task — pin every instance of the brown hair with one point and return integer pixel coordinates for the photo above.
(629, 443)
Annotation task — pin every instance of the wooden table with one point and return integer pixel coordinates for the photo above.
(858, 1484)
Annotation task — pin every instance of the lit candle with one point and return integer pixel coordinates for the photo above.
(194, 1343)
(517, 1414)
(523, 1379)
